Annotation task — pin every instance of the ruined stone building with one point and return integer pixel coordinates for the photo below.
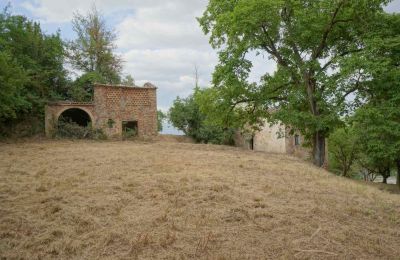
(115, 110)
(273, 139)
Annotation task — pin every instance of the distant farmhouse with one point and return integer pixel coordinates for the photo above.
(115, 110)
(268, 139)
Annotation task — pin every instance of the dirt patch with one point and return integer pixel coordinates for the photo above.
(124, 200)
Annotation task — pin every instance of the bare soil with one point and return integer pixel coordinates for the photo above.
(166, 200)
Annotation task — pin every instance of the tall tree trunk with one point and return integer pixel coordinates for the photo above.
(318, 136)
(344, 172)
(398, 173)
(384, 180)
(319, 149)
(386, 175)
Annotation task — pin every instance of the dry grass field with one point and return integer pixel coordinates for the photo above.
(160, 200)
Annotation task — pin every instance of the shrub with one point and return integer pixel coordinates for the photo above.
(69, 129)
(129, 133)
(185, 115)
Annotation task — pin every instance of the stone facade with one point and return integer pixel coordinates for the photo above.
(112, 107)
(273, 139)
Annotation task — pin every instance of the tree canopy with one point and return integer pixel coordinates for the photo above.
(312, 43)
(93, 49)
(186, 115)
(378, 119)
(33, 71)
(31, 67)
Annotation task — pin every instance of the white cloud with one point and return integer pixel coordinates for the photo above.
(160, 41)
(58, 11)
(167, 64)
(171, 70)
(393, 7)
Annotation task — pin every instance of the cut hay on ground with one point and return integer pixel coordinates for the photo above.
(126, 200)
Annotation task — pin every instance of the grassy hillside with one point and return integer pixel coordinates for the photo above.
(129, 200)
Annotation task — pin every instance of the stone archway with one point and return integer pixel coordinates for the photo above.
(75, 115)
(80, 113)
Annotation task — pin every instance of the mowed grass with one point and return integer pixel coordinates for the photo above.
(160, 200)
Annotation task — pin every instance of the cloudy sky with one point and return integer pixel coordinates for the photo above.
(159, 40)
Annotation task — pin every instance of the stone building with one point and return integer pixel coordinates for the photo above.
(273, 139)
(115, 110)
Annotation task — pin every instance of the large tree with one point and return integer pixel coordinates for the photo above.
(32, 70)
(343, 151)
(93, 49)
(312, 43)
(378, 120)
(186, 115)
(12, 78)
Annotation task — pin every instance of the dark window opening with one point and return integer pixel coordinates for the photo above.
(252, 143)
(110, 123)
(129, 128)
(75, 115)
(297, 140)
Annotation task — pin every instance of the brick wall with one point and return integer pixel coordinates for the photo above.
(54, 110)
(118, 103)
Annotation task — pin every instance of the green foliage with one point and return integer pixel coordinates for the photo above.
(312, 42)
(26, 127)
(82, 88)
(12, 98)
(93, 50)
(185, 115)
(379, 134)
(378, 121)
(31, 70)
(344, 151)
(161, 117)
(69, 129)
(110, 123)
(129, 133)
(128, 81)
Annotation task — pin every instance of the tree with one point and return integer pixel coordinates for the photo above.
(161, 116)
(185, 115)
(378, 120)
(12, 78)
(93, 50)
(128, 81)
(344, 150)
(378, 139)
(32, 69)
(312, 43)
(82, 88)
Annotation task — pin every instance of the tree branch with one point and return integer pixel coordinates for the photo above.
(331, 61)
(271, 48)
(286, 17)
(317, 53)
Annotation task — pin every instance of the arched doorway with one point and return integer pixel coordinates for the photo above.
(75, 115)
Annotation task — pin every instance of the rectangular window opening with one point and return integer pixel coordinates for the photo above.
(129, 128)
(297, 140)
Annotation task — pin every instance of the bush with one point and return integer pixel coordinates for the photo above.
(129, 133)
(344, 151)
(98, 134)
(69, 129)
(25, 127)
(185, 115)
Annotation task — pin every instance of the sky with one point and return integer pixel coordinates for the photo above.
(160, 41)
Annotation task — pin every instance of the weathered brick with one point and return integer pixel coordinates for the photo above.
(118, 103)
